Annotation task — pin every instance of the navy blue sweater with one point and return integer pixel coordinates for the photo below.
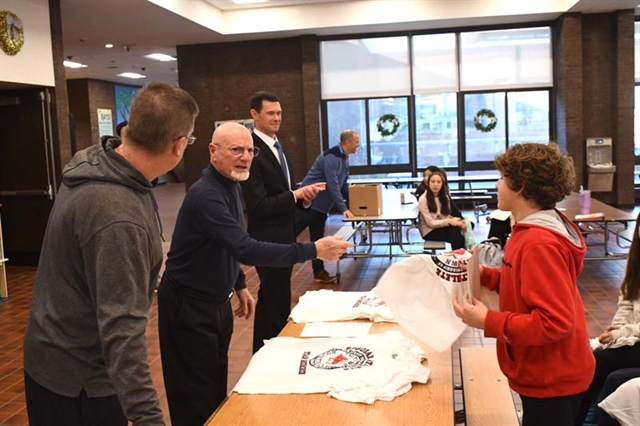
(210, 241)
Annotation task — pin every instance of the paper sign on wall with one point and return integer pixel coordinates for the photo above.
(105, 122)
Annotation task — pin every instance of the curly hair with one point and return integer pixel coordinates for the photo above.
(630, 287)
(542, 172)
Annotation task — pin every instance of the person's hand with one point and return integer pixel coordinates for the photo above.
(308, 193)
(474, 315)
(456, 221)
(607, 336)
(247, 305)
(331, 248)
(347, 214)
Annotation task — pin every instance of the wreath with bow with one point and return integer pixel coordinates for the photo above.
(491, 118)
(384, 129)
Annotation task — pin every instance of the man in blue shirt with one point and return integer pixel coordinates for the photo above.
(332, 167)
(195, 318)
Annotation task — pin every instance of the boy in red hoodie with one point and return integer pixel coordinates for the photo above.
(542, 341)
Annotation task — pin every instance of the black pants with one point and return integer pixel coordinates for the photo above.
(195, 333)
(557, 411)
(315, 220)
(451, 234)
(46, 408)
(274, 304)
(607, 361)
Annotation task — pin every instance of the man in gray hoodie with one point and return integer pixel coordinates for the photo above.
(85, 351)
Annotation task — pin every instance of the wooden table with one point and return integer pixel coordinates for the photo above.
(424, 404)
(570, 206)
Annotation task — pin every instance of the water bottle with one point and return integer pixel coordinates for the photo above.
(401, 197)
(585, 200)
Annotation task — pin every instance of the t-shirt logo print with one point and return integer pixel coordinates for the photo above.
(345, 359)
(447, 266)
(369, 300)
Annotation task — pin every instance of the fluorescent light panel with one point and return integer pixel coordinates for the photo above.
(160, 57)
(70, 64)
(133, 75)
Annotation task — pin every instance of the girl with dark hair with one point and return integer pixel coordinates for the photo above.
(620, 347)
(421, 189)
(439, 219)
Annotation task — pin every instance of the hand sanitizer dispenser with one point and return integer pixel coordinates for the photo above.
(599, 166)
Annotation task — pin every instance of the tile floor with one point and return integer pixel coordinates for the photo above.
(599, 284)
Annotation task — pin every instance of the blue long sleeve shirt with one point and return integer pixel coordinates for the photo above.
(210, 241)
(331, 167)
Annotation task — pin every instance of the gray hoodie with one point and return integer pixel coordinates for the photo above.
(98, 268)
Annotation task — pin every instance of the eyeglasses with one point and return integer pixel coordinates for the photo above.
(237, 151)
(190, 139)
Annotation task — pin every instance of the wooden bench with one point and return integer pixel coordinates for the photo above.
(486, 393)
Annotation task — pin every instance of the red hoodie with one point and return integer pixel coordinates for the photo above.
(542, 341)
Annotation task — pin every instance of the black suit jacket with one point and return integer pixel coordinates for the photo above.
(270, 204)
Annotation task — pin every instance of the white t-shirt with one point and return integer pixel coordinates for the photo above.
(357, 369)
(624, 403)
(329, 305)
(419, 291)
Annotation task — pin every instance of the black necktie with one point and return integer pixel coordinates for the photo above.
(283, 162)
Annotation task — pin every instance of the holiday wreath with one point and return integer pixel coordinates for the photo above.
(385, 130)
(491, 118)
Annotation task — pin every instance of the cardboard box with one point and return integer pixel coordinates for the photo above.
(365, 200)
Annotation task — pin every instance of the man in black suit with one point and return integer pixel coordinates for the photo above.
(271, 200)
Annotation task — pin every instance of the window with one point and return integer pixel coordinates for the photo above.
(528, 116)
(434, 63)
(362, 116)
(526, 120)
(392, 149)
(436, 130)
(506, 58)
(367, 67)
(481, 146)
(435, 84)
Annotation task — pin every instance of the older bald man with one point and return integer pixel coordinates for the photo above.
(203, 272)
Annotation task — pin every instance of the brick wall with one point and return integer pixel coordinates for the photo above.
(623, 153)
(222, 77)
(85, 98)
(78, 92)
(594, 87)
(568, 86)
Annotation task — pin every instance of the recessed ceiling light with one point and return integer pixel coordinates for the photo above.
(134, 75)
(160, 57)
(108, 45)
(248, 1)
(70, 64)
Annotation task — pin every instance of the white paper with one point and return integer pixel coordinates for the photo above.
(336, 329)
(500, 214)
